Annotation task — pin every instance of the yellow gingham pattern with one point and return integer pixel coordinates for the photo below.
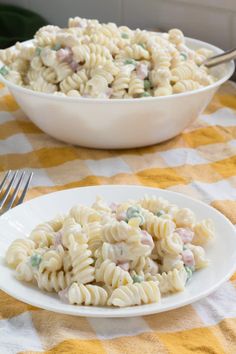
(201, 162)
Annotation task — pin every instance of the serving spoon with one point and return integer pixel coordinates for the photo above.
(220, 58)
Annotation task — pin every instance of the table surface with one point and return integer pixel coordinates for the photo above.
(201, 162)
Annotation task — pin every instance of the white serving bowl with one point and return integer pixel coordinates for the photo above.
(119, 123)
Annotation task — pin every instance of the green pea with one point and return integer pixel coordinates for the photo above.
(160, 213)
(124, 35)
(38, 51)
(137, 279)
(135, 214)
(142, 219)
(56, 47)
(132, 212)
(192, 268)
(134, 218)
(189, 273)
(184, 56)
(4, 71)
(147, 84)
(142, 45)
(130, 61)
(35, 260)
(185, 248)
(145, 94)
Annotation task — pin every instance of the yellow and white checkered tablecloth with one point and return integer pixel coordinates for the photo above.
(201, 162)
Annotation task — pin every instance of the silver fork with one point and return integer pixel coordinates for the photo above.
(8, 182)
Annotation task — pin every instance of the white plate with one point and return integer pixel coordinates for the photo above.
(18, 222)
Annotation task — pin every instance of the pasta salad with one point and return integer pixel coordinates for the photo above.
(125, 254)
(96, 60)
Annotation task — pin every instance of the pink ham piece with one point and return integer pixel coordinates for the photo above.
(82, 23)
(113, 207)
(142, 71)
(152, 267)
(147, 239)
(186, 234)
(188, 258)
(57, 240)
(65, 54)
(124, 266)
(63, 295)
(121, 216)
(109, 92)
(74, 65)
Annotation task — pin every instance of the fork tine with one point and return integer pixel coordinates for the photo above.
(13, 197)
(4, 180)
(7, 191)
(22, 197)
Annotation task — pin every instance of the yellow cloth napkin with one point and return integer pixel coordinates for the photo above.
(201, 162)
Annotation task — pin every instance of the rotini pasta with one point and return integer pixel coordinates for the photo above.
(24, 271)
(200, 260)
(186, 85)
(171, 262)
(53, 281)
(156, 226)
(18, 251)
(123, 252)
(94, 234)
(52, 260)
(84, 215)
(203, 232)
(184, 217)
(71, 232)
(135, 294)
(153, 204)
(101, 206)
(82, 269)
(112, 275)
(91, 59)
(170, 244)
(74, 82)
(136, 86)
(87, 295)
(110, 254)
(172, 281)
(116, 231)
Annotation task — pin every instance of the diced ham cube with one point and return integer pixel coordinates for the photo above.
(147, 239)
(186, 234)
(188, 258)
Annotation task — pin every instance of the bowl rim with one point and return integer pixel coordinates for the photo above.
(230, 67)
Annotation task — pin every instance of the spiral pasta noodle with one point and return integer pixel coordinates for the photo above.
(172, 281)
(112, 275)
(116, 231)
(81, 261)
(84, 215)
(87, 294)
(203, 232)
(158, 227)
(24, 271)
(18, 251)
(135, 294)
(186, 85)
(71, 232)
(53, 281)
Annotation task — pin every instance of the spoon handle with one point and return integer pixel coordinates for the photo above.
(221, 58)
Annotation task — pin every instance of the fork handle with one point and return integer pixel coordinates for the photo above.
(220, 58)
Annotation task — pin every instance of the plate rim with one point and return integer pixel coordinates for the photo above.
(132, 311)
